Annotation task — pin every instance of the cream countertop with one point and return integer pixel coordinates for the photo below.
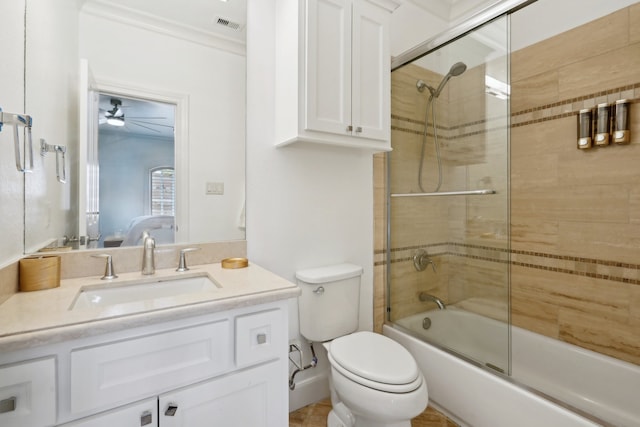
(44, 317)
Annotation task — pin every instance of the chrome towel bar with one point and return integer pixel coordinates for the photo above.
(483, 192)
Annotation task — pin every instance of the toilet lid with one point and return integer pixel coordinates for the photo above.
(376, 361)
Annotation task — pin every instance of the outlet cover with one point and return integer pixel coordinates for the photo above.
(215, 188)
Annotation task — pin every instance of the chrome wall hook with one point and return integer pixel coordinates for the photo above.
(17, 121)
(60, 151)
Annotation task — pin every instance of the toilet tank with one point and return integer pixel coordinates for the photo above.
(329, 303)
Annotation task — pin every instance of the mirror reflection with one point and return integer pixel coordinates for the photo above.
(177, 165)
(135, 189)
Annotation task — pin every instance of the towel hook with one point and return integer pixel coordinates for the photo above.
(20, 120)
(60, 151)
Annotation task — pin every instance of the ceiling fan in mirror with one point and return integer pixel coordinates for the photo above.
(139, 115)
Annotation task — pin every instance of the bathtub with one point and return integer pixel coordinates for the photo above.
(565, 385)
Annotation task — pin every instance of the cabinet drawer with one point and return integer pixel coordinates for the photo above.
(259, 337)
(105, 375)
(28, 394)
(144, 414)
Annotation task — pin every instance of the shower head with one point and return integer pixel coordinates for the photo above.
(455, 70)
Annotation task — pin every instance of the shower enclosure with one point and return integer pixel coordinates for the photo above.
(448, 195)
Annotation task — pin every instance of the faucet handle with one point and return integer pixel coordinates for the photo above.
(109, 272)
(182, 265)
(421, 260)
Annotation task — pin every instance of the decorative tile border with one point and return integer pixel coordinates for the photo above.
(542, 113)
(570, 107)
(588, 267)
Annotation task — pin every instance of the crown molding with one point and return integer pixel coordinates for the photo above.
(127, 16)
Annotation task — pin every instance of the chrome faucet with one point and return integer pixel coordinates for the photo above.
(428, 297)
(148, 259)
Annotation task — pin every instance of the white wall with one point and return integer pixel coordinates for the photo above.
(11, 101)
(51, 99)
(307, 205)
(214, 81)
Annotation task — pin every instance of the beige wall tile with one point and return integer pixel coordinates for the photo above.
(588, 330)
(600, 72)
(533, 92)
(604, 34)
(614, 242)
(634, 307)
(601, 298)
(634, 23)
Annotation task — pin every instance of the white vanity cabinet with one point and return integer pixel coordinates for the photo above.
(332, 71)
(228, 368)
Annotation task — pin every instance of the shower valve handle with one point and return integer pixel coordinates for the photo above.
(421, 260)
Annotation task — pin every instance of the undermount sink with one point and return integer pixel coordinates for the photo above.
(141, 291)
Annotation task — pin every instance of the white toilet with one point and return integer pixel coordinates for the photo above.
(374, 381)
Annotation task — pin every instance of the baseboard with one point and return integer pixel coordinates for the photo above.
(308, 391)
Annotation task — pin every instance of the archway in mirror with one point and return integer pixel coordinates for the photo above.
(134, 184)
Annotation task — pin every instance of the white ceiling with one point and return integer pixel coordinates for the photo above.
(452, 10)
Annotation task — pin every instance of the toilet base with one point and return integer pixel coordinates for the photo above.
(333, 420)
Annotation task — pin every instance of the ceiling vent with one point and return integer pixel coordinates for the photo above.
(227, 23)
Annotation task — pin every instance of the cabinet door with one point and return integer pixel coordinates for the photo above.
(371, 64)
(28, 394)
(141, 414)
(255, 397)
(328, 66)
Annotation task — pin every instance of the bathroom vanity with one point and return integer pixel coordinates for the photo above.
(179, 359)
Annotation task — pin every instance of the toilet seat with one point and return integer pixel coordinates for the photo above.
(375, 361)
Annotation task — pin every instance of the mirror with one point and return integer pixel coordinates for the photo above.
(160, 51)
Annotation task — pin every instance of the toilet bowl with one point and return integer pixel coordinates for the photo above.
(374, 381)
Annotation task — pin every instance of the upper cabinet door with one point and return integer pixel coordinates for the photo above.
(370, 71)
(328, 66)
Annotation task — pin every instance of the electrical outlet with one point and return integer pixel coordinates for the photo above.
(215, 188)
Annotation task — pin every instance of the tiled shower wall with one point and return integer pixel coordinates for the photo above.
(574, 250)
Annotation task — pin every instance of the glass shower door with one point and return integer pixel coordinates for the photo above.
(448, 258)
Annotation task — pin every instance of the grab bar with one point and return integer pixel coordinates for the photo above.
(19, 120)
(60, 150)
(483, 192)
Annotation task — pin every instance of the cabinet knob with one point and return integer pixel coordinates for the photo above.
(171, 410)
(349, 128)
(146, 418)
(261, 338)
(8, 405)
(359, 129)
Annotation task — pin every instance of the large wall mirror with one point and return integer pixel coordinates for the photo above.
(147, 100)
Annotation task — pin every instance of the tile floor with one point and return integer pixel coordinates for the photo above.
(315, 415)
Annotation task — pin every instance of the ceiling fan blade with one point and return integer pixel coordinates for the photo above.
(147, 118)
(142, 126)
(149, 123)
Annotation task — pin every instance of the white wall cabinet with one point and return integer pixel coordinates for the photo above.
(332, 72)
(230, 367)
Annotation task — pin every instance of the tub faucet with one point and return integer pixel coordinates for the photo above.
(428, 297)
(148, 259)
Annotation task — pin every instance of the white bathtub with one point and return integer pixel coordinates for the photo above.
(601, 386)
